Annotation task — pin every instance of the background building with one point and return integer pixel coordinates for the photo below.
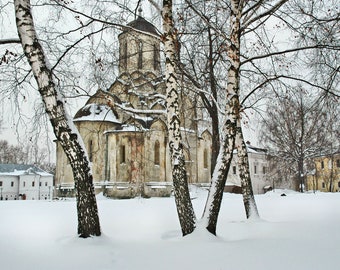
(18, 181)
(259, 171)
(326, 174)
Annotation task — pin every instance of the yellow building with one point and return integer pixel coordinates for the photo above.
(326, 174)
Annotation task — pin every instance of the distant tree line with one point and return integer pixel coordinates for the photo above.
(16, 154)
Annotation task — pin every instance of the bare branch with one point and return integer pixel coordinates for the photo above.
(317, 46)
(270, 11)
(10, 41)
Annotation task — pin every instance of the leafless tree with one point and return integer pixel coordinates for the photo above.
(297, 128)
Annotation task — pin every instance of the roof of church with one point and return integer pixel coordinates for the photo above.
(96, 112)
(143, 25)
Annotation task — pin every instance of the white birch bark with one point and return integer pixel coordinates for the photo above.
(64, 130)
(179, 176)
(213, 204)
(244, 174)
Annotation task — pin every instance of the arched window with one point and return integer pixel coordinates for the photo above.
(90, 150)
(140, 55)
(205, 159)
(157, 153)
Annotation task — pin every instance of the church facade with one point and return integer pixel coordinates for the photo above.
(124, 128)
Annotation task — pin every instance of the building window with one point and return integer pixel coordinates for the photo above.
(39, 184)
(0, 183)
(32, 183)
(339, 184)
(156, 153)
(122, 154)
(338, 163)
(124, 56)
(24, 184)
(205, 159)
(322, 165)
(45, 184)
(234, 169)
(255, 169)
(323, 185)
(140, 55)
(90, 150)
(264, 170)
(155, 57)
(12, 184)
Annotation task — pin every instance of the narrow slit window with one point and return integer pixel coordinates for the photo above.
(155, 57)
(124, 56)
(140, 55)
(122, 154)
(157, 153)
(205, 159)
(91, 150)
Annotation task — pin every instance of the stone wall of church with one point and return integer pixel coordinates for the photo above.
(156, 154)
(94, 138)
(203, 158)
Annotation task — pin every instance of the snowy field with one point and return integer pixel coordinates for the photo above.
(299, 231)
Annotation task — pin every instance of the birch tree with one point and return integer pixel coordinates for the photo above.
(64, 130)
(244, 174)
(179, 176)
(215, 195)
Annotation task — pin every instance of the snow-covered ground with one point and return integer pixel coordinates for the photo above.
(298, 231)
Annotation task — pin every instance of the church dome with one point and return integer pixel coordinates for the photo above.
(142, 25)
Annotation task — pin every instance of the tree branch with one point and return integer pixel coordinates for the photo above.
(289, 51)
(10, 41)
(274, 8)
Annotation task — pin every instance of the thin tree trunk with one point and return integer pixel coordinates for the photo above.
(213, 111)
(213, 204)
(244, 173)
(63, 127)
(184, 206)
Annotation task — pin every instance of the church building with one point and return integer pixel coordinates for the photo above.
(124, 127)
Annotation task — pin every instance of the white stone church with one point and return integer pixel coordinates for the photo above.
(124, 128)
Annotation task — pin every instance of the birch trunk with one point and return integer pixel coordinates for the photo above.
(244, 173)
(179, 176)
(64, 130)
(213, 204)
